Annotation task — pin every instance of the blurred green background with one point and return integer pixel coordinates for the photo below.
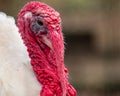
(92, 35)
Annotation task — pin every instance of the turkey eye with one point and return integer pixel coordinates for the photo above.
(38, 26)
(40, 23)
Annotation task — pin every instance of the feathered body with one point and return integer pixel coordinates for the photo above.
(45, 74)
(16, 75)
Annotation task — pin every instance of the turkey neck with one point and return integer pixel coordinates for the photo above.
(48, 64)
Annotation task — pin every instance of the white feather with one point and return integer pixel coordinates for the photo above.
(16, 75)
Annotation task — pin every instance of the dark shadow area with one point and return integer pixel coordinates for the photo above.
(80, 43)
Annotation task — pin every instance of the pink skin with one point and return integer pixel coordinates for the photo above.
(47, 60)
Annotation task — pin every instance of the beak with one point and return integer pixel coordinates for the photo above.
(47, 41)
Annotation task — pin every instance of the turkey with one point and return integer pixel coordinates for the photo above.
(32, 53)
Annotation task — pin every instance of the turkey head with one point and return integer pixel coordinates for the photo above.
(40, 28)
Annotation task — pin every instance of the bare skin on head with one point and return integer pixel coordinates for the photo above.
(40, 28)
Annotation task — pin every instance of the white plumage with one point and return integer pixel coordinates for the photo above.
(16, 75)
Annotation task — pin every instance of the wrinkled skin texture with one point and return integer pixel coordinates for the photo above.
(40, 28)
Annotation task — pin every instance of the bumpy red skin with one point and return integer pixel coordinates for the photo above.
(48, 63)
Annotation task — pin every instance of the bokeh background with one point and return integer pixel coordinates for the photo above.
(92, 35)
